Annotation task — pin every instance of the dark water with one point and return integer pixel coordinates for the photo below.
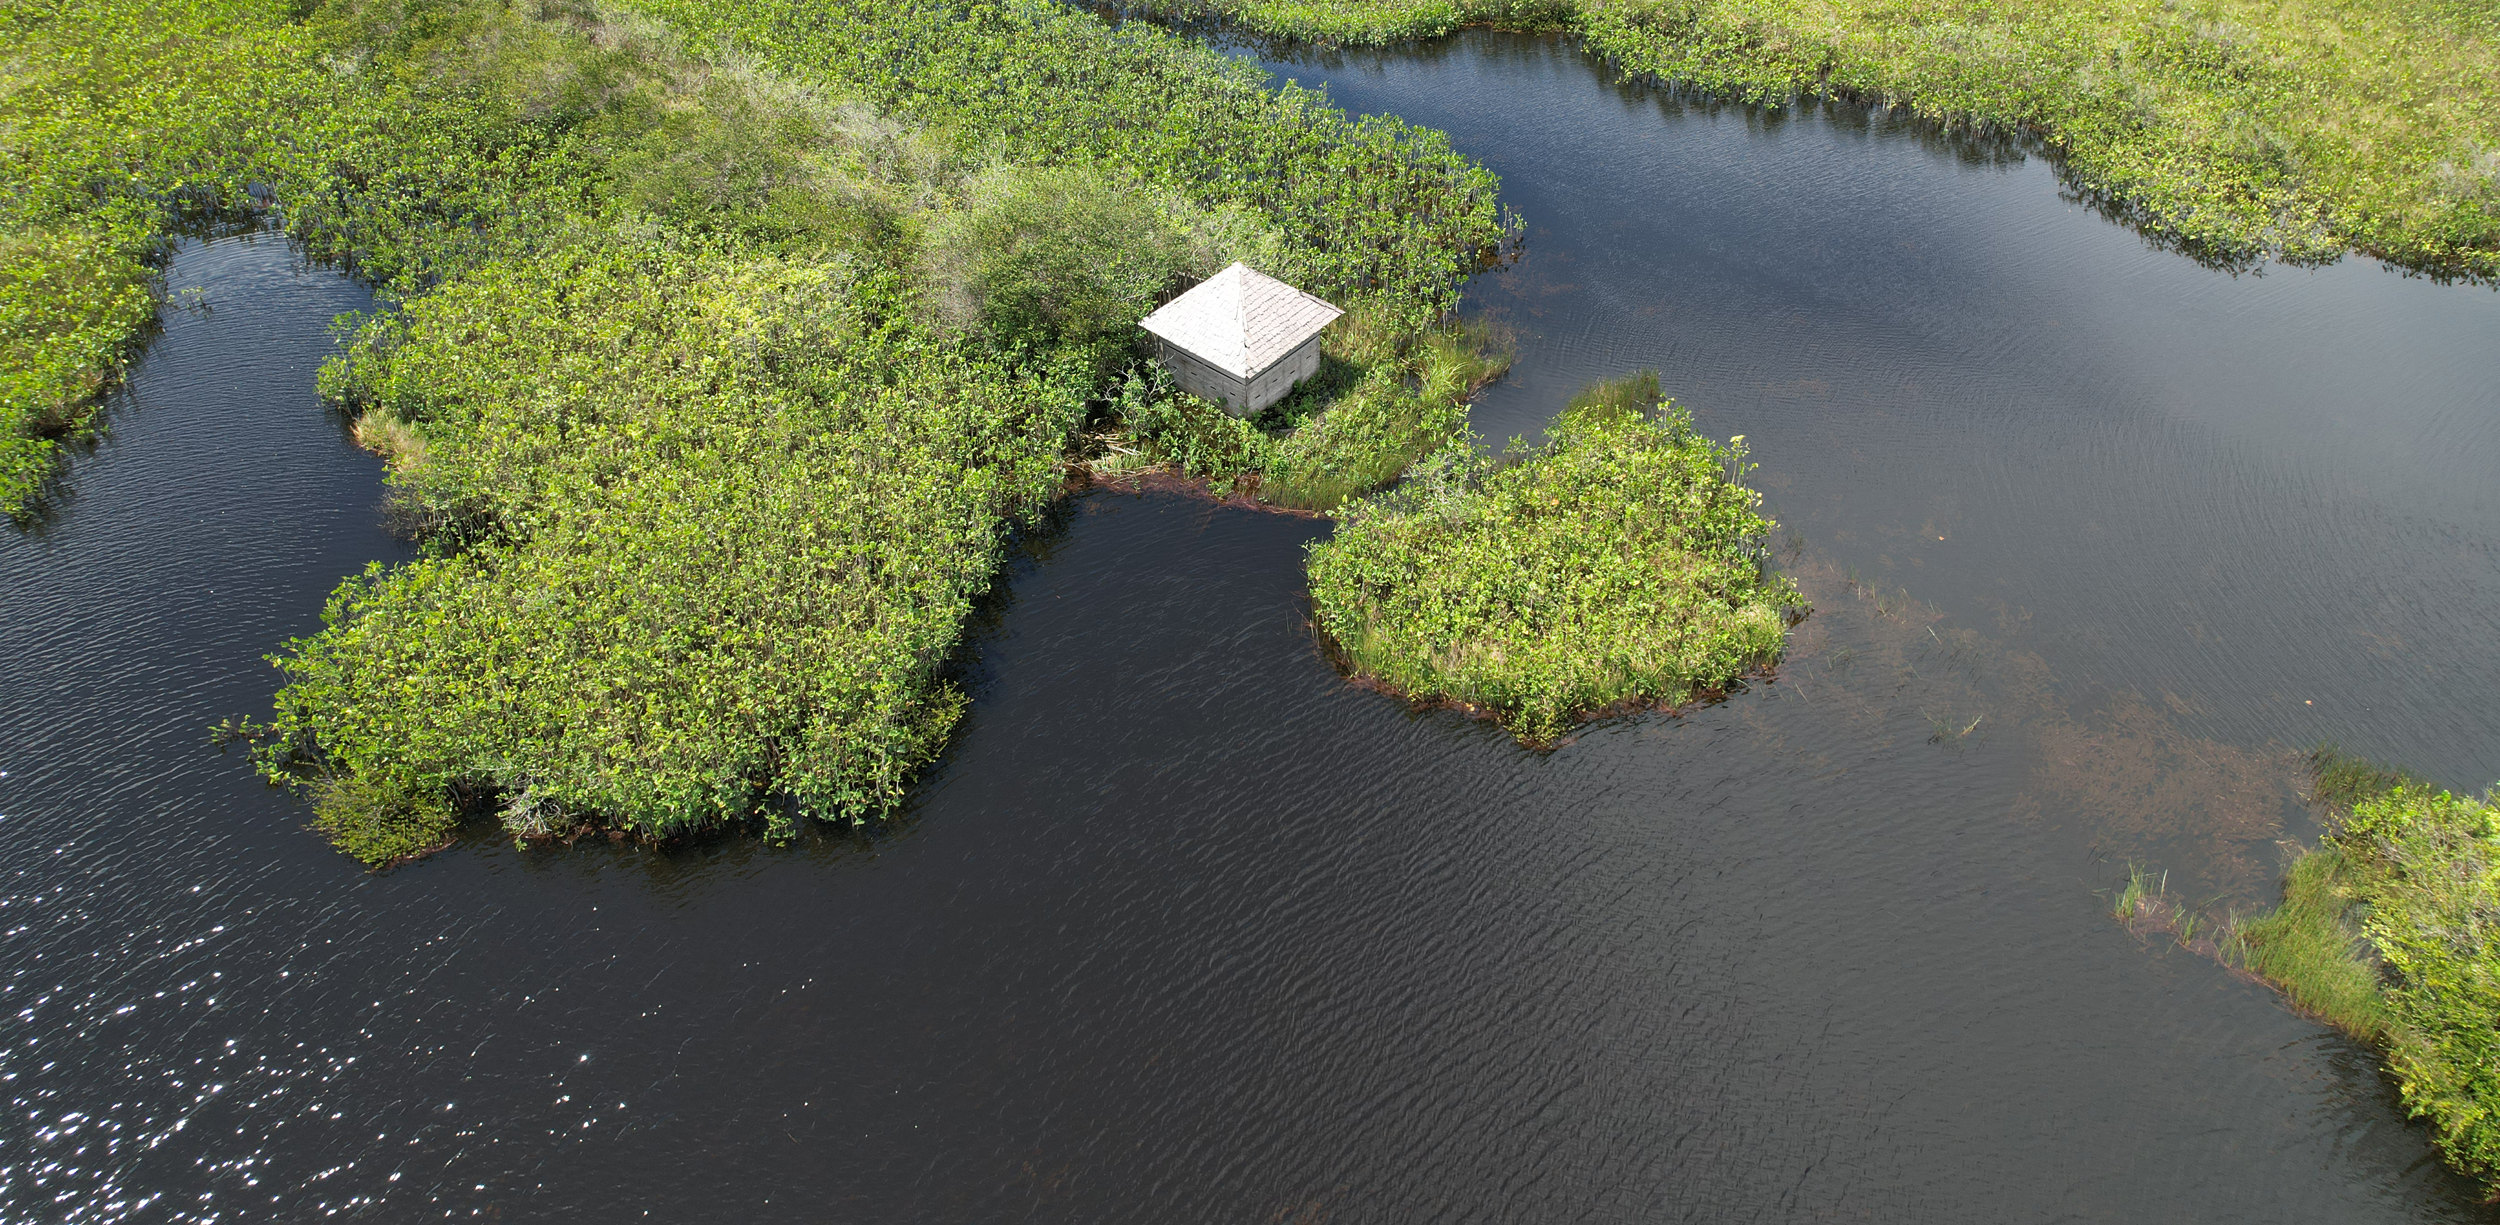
(1183, 928)
(2254, 493)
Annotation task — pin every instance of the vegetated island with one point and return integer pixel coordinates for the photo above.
(722, 346)
(2385, 932)
(412, 141)
(2236, 130)
(1623, 564)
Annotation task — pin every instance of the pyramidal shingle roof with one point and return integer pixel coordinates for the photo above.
(1241, 321)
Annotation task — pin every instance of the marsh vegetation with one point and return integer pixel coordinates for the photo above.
(2236, 129)
(720, 359)
(2384, 933)
(1623, 563)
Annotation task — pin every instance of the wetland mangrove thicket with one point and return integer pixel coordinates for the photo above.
(2386, 932)
(2236, 128)
(724, 344)
(723, 355)
(1623, 563)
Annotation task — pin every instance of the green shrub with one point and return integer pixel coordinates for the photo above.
(1051, 255)
(1369, 206)
(734, 520)
(2431, 879)
(704, 498)
(380, 818)
(2419, 869)
(1623, 563)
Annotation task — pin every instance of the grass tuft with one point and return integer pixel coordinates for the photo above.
(2312, 949)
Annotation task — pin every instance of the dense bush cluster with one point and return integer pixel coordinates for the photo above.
(2236, 128)
(2390, 930)
(1622, 563)
(1371, 207)
(721, 359)
(116, 119)
(719, 540)
(2426, 868)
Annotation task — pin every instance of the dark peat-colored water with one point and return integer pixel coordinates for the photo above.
(1183, 928)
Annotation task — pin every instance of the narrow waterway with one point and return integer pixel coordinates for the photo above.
(1183, 928)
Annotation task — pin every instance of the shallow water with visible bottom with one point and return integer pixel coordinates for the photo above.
(1183, 927)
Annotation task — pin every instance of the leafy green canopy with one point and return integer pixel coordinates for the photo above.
(1623, 563)
(727, 528)
(114, 117)
(2236, 128)
(1371, 206)
(2426, 866)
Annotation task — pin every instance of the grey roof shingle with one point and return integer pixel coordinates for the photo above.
(1241, 321)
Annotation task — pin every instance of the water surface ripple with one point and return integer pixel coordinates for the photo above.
(1183, 928)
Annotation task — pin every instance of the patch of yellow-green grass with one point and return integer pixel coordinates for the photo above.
(2311, 949)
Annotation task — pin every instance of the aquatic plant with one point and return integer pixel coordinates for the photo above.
(117, 120)
(1385, 397)
(2429, 874)
(2385, 932)
(71, 300)
(709, 388)
(2140, 886)
(1395, 399)
(2341, 780)
(720, 523)
(1623, 563)
(410, 141)
(2312, 949)
(2234, 128)
(1055, 256)
(717, 357)
(2144, 905)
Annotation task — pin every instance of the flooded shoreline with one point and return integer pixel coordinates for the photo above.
(1182, 926)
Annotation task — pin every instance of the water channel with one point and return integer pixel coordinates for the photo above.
(1183, 928)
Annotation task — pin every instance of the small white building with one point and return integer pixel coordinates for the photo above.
(1241, 337)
